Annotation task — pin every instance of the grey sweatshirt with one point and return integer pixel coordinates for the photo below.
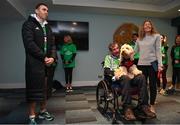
(149, 49)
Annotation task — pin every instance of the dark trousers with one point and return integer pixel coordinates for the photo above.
(50, 76)
(164, 78)
(139, 83)
(68, 75)
(176, 75)
(136, 61)
(150, 74)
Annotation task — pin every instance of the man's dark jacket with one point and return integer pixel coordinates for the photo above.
(33, 39)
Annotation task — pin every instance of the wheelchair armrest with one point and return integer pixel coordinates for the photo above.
(108, 72)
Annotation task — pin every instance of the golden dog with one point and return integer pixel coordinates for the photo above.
(127, 66)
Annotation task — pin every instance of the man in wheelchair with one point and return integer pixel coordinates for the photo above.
(111, 63)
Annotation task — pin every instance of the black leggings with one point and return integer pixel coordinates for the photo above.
(176, 75)
(150, 74)
(68, 75)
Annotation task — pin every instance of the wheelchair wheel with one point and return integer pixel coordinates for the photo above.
(101, 96)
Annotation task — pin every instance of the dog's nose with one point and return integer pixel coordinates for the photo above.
(123, 52)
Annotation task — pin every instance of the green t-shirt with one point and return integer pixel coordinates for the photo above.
(67, 51)
(177, 55)
(111, 62)
(132, 44)
(164, 50)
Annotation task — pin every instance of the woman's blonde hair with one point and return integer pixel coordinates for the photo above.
(142, 32)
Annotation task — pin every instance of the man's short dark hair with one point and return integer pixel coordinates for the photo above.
(112, 45)
(39, 4)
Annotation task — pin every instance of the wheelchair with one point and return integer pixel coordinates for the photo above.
(108, 96)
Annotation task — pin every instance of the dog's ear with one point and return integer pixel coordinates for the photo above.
(120, 58)
(132, 56)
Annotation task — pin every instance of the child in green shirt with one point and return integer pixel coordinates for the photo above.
(68, 53)
(175, 57)
(164, 49)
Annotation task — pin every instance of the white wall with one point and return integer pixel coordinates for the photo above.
(88, 67)
(11, 52)
(101, 31)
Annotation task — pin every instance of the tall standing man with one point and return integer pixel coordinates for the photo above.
(40, 54)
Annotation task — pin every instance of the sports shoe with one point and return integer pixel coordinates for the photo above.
(67, 89)
(45, 115)
(163, 92)
(171, 87)
(70, 89)
(32, 121)
(158, 89)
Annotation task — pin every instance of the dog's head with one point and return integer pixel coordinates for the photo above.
(126, 52)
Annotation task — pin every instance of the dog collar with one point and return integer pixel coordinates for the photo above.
(127, 63)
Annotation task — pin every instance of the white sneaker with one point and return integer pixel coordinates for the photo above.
(171, 87)
(67, 89)
(163, 92)
(70, 89)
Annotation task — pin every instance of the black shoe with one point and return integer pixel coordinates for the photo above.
(45, 115)
(170, 91)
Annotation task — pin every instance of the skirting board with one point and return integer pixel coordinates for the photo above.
(22, 85)
(74, 83)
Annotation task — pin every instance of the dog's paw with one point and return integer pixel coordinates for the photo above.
(137, 72)
(120, 72)
(134, 70)
(130, 75)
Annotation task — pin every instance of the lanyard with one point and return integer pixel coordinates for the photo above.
(45, 39)
(113, 63)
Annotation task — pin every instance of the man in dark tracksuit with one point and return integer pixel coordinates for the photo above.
(40, 54)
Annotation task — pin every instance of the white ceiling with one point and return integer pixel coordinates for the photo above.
(153, 2)
(10, 9)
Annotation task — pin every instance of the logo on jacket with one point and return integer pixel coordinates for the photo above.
(37, 28)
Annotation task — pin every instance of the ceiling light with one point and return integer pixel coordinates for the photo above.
(179, 10)
(74, 23)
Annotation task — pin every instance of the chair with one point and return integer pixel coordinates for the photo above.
(107, 97)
